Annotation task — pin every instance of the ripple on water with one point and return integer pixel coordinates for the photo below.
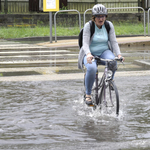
(53, 113)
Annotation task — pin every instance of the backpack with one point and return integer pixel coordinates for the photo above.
(92, 29)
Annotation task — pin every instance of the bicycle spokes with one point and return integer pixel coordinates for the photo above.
(109, 100)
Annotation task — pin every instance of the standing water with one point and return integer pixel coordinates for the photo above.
(52, 115)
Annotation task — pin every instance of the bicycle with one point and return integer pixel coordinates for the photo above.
(104, 91)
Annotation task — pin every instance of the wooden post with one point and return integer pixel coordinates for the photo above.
(6, 6)
(0, 5)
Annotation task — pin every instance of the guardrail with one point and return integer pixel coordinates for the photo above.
(124, 8)
(65, 11)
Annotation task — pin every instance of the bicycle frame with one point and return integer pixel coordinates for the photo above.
(98, 86)
(104, 92)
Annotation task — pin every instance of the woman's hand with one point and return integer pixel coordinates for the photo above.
(119, 56)
(89, 58)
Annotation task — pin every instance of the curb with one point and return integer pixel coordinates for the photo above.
(47, 38)
(43, 38)
(144, 64)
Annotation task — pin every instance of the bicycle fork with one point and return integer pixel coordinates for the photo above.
(96, 81)
(110, 94)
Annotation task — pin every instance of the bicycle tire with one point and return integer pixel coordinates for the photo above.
(109, 98)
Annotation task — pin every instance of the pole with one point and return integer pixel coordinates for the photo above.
(50, 23)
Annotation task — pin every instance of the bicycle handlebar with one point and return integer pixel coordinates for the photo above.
(107, 60)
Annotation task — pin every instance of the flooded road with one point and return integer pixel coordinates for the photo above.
(41, 106)
(52, 115)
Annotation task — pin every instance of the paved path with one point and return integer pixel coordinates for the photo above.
(50, 73)
(70, 76)
(121, 41)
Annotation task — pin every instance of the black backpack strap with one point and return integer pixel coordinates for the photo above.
(92, 27)
(107, 26)
(80, 38)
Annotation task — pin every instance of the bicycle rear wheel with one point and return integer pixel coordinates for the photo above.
(109, 98)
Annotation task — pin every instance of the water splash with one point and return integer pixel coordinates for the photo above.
(97, 115)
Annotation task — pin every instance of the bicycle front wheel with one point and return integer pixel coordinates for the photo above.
(109, 98)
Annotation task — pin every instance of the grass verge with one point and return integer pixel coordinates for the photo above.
(21, 32)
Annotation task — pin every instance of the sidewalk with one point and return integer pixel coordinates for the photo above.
(50, 73)
(121, 41)
(70, 76)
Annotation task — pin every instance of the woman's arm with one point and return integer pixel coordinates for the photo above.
(86, 38)
(113, 40)
(87, 41)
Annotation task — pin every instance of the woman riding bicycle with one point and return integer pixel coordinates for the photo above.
(101, 44)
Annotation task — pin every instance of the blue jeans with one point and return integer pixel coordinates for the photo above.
(92, 68)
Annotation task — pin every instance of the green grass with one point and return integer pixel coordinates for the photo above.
(20, 32)
(15, 32)
(129, 29)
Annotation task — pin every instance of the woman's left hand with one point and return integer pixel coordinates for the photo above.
(123, 59)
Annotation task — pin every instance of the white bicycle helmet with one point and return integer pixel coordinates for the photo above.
(99, 9)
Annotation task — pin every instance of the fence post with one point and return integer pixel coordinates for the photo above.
(148, 19)
(6, 6)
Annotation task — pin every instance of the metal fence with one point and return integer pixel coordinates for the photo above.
(82, 6)
(66, 11)
(108, 9)
(127, 8)
(148, 21)
(15, 6)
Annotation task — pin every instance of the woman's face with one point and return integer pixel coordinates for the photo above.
(99, 20)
